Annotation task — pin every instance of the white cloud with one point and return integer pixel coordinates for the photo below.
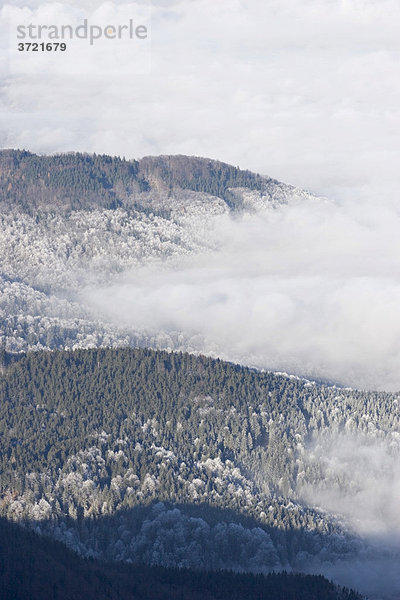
(359, 479)
(310, 288)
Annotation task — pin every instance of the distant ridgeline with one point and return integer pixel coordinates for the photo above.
(174, 460)
(77, 181)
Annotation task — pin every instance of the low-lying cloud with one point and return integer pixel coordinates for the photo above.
(359, 480)
(312, 288)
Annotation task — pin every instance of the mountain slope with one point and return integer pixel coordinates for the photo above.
(177, 460)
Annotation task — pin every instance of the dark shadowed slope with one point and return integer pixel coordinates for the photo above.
(36, 568)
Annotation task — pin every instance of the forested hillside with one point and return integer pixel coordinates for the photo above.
(177, 460)
(74, 181)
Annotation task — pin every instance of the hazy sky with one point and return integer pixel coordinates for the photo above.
(307, 91)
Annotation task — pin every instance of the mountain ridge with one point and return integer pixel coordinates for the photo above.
(40, 182)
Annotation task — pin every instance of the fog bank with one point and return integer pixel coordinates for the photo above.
(312, 288)
(359, 481)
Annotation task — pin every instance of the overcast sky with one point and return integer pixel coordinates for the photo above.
(307, 91)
